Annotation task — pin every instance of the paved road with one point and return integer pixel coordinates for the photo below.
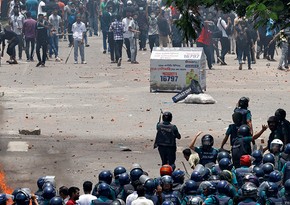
(88, 113)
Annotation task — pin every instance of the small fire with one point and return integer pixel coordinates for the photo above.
(3, 186)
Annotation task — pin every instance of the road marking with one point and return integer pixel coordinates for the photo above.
(17, 146)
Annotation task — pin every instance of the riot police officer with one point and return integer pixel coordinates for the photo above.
(165, 140)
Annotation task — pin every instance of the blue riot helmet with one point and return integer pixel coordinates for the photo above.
(207, 173)
(269, 158)
(40, 182)
(124, 179)
(106, 176)
(22, 198)
(46, 184)
(258, 171)
(207, 142)
(276, 177)
(150, 185)
(195, 201)
(258, 156)
(249, 190)
(268, 168)
(119, 170)
(196, 176)
(48, 192)
(167, 117)
(222, 155)
(190, 187)
(244, 131)
(3, 199)
(223, 187)
(272, 190)
(166, 180)
(207, 188)
(56, 201)
(287, 148)
(251, 178)
(178, 176)
(214, 179)
(118, 202)
(225, 164)
(104, 189)
(15, 192)
(135, 174)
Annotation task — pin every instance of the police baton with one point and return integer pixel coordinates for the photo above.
(187, 174)
(161, 113)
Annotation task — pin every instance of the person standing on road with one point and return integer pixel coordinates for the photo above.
(41, 39)
(16, 22)
(29, 32)
(126, 22)
(79, 30)
(117, 27)
(87, 197)
(165, 140)
(134, 31)
(74, 194)
(225, 42)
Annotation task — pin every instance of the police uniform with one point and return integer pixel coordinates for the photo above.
(205, 156)
(166, 142)
(248, 201)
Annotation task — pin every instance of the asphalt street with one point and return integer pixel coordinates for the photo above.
(97, 116)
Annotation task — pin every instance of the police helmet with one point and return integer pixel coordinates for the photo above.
(244, 102)
(259, 172)
(166, 179)
(190, 187)
(166, 169)
(214, 179)
(222, 155)
(195, 201)
(150, 185)
(40, 182)
(135, 174)
(3, 198)
(56, 201)
(22, 198)
(15, 192)
(244, 130)
(207, 141)
(118, 202)
(196, 176)
(178, 176)
(257, 155)
(167, 203)
(272, 119)
(237, 118)
(280, 113)
(207, 173)
(119, 170)
(167, 117)
(245, 160)
(226, 175)
(272, 189)
(249, 190)
(276, 142)
(46, 184)
(104, 189)
(225, 163)
(207, 186)
(251, 178)
(223, 187)
(124, 179)
(48, 192)
(287, 185)
(268, 168)
(269, 158)
(106, 176)
(287, 149)
(275, 176)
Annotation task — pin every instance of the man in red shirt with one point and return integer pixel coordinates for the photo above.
(74, 194)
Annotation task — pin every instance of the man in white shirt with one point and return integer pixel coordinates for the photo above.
(126, 21)
(87, 197)
(16, 21)
(79, 30)
(56, 23)
(141, 200)
(40, 8)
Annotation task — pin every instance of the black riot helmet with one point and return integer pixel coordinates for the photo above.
(167, 116)
(281, 114)
(244, 131)
(207, 141)
(244, 102)
(249, 190)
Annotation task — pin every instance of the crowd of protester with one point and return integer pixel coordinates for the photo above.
(133, 23)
